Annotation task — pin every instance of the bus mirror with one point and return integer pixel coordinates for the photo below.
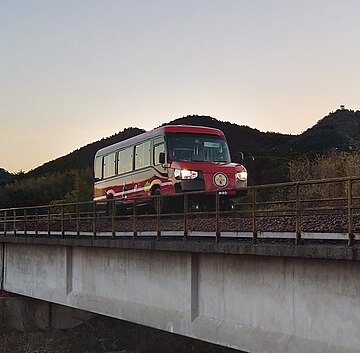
(238, 157)
(161, 157)
(241, 157)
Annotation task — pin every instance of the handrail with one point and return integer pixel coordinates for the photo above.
(261, 202)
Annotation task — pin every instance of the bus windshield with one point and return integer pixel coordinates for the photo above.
(197, 148)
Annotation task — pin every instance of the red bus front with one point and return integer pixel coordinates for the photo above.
(202, 162)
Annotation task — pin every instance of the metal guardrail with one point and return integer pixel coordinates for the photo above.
(283, 207)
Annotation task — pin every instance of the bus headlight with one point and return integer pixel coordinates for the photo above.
(242, 176)
(183, 174)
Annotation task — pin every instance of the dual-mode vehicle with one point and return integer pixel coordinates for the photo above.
(169, 160)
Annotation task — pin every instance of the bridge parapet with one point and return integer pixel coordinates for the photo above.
(301, 211)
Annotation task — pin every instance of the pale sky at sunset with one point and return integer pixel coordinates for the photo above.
(75, 71)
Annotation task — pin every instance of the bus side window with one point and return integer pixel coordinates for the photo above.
(98, 168)
(109, 165)
(142, 155)
(157, 150)
(125, 161)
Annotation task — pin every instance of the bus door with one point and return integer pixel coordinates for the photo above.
(161, 172)
(158, 148)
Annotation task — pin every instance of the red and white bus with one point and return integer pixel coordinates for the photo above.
(168, 160)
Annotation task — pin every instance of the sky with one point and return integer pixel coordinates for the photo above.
(75, 71)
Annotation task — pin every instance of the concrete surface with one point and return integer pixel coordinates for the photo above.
(262, 304)
(337, 250)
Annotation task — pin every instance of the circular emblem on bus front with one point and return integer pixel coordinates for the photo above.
(220, 180)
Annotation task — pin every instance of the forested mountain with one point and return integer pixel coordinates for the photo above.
(240, 138)
(83, 157)
(5, 177)
(267, 157)
(339, 130)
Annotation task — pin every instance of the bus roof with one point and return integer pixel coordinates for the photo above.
(158, 132)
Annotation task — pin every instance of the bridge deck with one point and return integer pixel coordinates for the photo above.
(326, 246)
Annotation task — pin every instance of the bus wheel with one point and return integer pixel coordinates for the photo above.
(114, 210)
(194, 206)
(109, 209)
(158, 202)
(227, 205)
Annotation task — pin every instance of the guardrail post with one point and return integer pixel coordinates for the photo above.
(297, 212)
(25, 222)
(14, 222)
(94, 218)
(350, 214)
(113, 214)
(5, 221)
(254, 228)
(77, 220)
(158, 210)
(36, 222)
(62, 221)
(49, 220)
(217, 217)
(134, 220)
(186, 230)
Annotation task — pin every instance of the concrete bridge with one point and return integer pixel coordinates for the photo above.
(255, 298)
(253, 290)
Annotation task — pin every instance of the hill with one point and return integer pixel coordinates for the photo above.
(267, 155)
(5, 177)
(83, 157)
(240, 138)
(339, 130)
(271, 151)
(264, 146)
